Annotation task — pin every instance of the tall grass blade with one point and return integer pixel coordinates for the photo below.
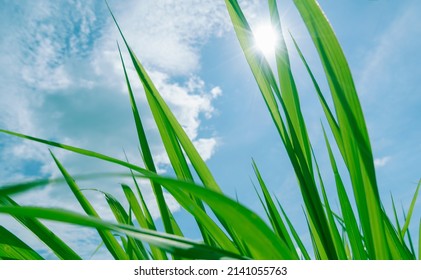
(350, 221)
(109, 240)
(358, 155)
(147, 155)
(135, 249)
(337, 240)
(275, 218)
(156, 102)
(411, 210)
(295, 138)
(144, 218)
(294, 233)
(288, 88)
(398, 226)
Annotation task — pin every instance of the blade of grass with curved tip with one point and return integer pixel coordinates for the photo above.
(58, 246)
(171, 243)
(249, 227)
(12, 189)
(12, 248)
(79, 151)
(109, 240)
(275, 218)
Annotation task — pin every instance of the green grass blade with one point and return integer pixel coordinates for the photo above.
(215, 232)
(337, 240)
(58, 246)
(287, 85)
(411, 244)
(395, 214)
(147, 213)
(295, 141)
(419, 241)
(294, 233)
(249, 227)
(16, 188)
(78, 151)
(134, 249)
(147, 155)
(334, 127)
(411, 210)
(144, 218)
(275, 217)
(12, 248)
(351, 225)
(397, 248)
(359, 157)
(155, 100)
(109, 240)
(171, 243)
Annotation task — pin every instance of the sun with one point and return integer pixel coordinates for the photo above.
(266, 39)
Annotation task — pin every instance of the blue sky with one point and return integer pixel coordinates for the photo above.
(61, 79)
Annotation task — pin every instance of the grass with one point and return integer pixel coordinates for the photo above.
(361, 231)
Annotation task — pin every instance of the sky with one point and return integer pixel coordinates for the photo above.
(61, 79)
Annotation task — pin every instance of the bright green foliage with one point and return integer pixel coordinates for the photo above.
(233, 231)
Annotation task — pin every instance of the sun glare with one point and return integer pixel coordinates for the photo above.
(265, 39)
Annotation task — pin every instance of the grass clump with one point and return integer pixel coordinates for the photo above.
(232, 231)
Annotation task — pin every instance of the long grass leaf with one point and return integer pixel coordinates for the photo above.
(12, 248)
(171, 243)
(58, 246)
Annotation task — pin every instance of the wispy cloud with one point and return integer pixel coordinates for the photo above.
(380, 162)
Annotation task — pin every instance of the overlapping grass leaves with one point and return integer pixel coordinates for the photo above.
(237, 232)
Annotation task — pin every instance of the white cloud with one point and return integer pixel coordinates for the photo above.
(380, 162)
